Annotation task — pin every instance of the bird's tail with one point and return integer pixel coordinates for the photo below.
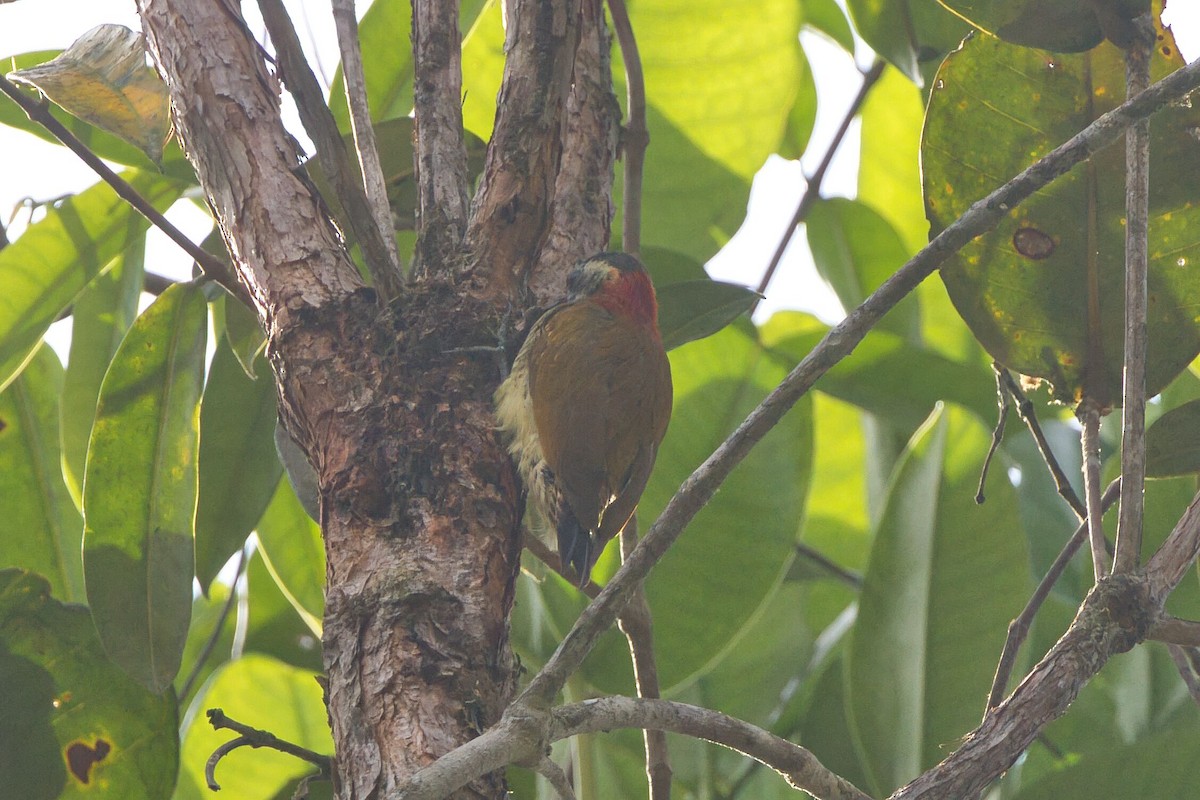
(574, 544)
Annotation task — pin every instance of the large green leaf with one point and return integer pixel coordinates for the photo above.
(1044, 291)
(74, 725)
(139, 493)
(914, 35)
(100, 316)
(944, 579)
(1062, 25)
(44, 270)
(294, 553)
(266, 694)
(692, 310)
(273, 626)
(238, 466)
(855, 250)
(40, 528)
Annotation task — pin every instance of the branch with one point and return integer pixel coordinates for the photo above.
(557, 778)
(382, 263)
(440, 155)
(1089, 416)
(1133, 404)
(799, 767)
(355, 82)
(637, 135)
(1172, 630)
(1025, 411)
(512, 210)
(1183, 663)
(699, 488)
(582, 208)
(253, 737)
(637, 625)
(212, 267)
(1018, 629)
(812, 192)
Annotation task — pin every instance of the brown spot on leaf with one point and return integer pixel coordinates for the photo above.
(82, 757)
(1034, 244)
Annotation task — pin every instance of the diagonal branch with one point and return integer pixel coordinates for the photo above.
(331, 151)
(511, 212)
(369, 167)
(441, 151)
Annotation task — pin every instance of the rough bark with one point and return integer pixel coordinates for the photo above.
(419, 502)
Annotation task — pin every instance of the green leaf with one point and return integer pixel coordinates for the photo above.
(241, 329)
(1173, 442)
(40, 528)
(103, 78)
(1062, 25)
(139, 494)
(695, 309)
(273, 626)
(828, 18)
(804, 112)
(721, 83)
(266, 694)
(100, 316)
(74, 725)
(914, 35)
(855, 250)
(238, 466)
(1160, 767)
(294, 553)
(944, 579)
(44, 270)
(1031, 288)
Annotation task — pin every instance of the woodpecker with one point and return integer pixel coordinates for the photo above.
(586, 405)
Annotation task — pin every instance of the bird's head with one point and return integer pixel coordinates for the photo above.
(619, 283)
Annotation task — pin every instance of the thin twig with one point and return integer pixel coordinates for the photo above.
(812, 192)
(212, 267)
(1137, 200)
(846, 576)
(1062, 483)
(355, 82)
(638, 626)
(1018, 629)
(253, 737)
(331, 154)
(997, 433)
(557, 778)
(699, 488)
(206, 651)
(1089, 417)
(1173, 630)
(1183, 663)
(637, 135)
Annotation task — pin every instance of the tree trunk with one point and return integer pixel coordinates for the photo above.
(420, 506)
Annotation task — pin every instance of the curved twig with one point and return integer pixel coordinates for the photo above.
(253, 737)
(637, 135)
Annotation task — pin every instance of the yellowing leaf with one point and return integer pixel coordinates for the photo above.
(103, 79)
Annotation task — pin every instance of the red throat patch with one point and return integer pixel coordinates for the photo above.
(630, 294)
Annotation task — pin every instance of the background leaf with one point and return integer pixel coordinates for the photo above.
(139, 494)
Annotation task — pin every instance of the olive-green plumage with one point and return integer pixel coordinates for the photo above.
(587, 403)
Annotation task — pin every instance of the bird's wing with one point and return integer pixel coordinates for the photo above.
(571, 402)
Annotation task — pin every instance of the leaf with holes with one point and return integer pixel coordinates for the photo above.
(1044, 291)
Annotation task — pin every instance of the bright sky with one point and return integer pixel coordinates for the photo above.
(32, 168)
